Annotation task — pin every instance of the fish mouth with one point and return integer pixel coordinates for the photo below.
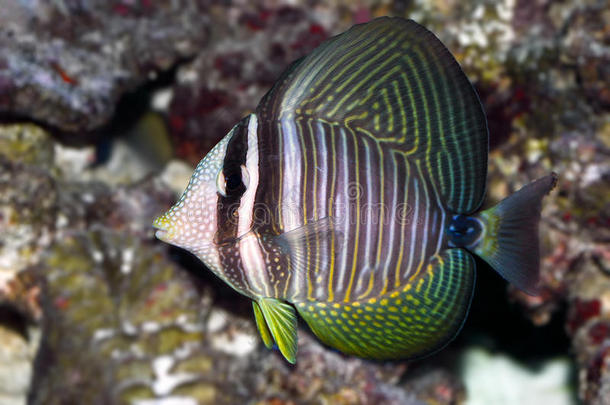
(162, 226)
(161, 234)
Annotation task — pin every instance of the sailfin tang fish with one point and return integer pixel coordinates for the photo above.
(351, 196)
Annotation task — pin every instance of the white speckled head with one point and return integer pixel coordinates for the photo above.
(192, 222)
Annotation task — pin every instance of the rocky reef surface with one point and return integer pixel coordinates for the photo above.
(106, 107)
(66, 63)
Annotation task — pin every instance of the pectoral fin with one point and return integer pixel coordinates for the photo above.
(301, 245)
(277, 319)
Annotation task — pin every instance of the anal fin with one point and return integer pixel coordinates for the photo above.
(412, 321)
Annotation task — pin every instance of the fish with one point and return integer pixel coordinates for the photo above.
(352, 197)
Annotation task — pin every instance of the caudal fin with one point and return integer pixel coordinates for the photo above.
(510, 237)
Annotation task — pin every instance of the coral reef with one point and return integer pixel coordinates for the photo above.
(112, 316)
(227, 80)
(66, 63)
(121, 324)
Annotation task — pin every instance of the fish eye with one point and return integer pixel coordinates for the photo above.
(233, 182)
(220, 184)
(227, 184)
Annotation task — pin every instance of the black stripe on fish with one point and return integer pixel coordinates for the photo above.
(228, 204)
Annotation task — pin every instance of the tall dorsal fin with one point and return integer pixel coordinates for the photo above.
(393, 80)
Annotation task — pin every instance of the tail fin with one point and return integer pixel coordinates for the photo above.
(510, 238)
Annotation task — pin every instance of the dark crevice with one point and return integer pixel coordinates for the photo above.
(11, 319)
(224, 296)
(130, 107)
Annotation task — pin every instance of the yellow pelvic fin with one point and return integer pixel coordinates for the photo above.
(281, 321)
(262, 326)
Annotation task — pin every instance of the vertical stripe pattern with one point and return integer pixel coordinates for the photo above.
(383, 231)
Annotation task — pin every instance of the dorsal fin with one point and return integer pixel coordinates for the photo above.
(394, 81)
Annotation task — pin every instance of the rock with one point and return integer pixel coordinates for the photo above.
(492, 378)
(66, 63)
(27, 144)
(254, 45)
(16, 360)
(322, 375)
(589, 325)
(28, 208)
(121, 324)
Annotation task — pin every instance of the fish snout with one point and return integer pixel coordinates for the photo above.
(164, 228)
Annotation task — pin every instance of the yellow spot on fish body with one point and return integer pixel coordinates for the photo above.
(372, 300)
(384, 301)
